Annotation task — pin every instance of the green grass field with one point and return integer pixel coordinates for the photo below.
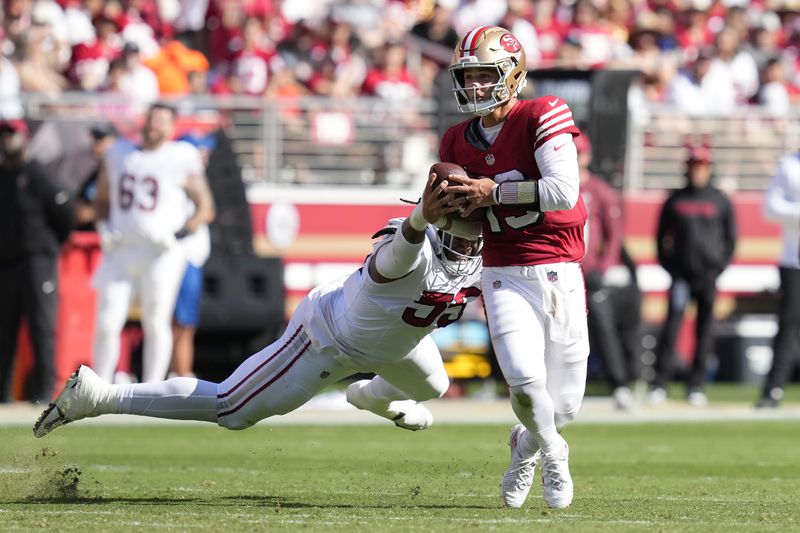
(742, 476)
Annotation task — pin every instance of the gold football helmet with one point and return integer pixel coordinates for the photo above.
(488, 47)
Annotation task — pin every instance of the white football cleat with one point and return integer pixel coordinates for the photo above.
(409, 414)
(406, 414)
(518, 478)
(623, 398)
(78, 400)
(697, 398)
(556, 481)
(657, 396)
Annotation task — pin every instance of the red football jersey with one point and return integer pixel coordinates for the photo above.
(514, 235)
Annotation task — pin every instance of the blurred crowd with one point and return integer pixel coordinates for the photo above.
(706, 56)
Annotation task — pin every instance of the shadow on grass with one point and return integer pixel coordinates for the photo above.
(246, 500)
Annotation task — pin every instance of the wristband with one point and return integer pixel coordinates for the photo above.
(517, 192)
(416, 219)
(181, 233)
(496, 193)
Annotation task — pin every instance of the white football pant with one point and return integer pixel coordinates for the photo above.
(537, 322)
(155, 276)
(289, 372)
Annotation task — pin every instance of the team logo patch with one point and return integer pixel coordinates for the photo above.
(496, 284)
(552, 276)
(510, 43)
(490, 159)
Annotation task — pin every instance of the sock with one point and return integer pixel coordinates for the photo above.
(534, 408)
(176, 399)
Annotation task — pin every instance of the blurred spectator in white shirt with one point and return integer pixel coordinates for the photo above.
(78, 17)
(473, 13)
(517, 21)
(49, 14)
(10, 106)
(137, 82)
(740, 64)
(703, 89)
(773, 93)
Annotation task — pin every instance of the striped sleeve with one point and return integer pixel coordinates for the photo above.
(553, 118)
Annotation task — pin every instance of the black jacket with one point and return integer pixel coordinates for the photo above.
(35, 215)
(696, 234)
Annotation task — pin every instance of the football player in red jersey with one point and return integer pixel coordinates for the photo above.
(525, 169)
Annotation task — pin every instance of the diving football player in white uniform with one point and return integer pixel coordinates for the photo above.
(377, 319)
(141, 198)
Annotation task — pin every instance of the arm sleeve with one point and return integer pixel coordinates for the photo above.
(559, 186)
(398, 257)
(777, 207)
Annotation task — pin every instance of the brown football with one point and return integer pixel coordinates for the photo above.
(442, 170)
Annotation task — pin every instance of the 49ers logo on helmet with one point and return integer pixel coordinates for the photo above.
(510, 43)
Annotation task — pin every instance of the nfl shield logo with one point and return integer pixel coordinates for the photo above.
(490, 159)
(496, 284)
(552, 276)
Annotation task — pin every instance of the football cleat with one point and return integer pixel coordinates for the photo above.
(556, 480)
(623, 398)
(518, 478)
(697, 398)
(770, 399)
(410, 415)
(406, 414)
(657, 396)
(78, 400)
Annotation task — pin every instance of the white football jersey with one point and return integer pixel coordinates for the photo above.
(374, 322)
(146, 187)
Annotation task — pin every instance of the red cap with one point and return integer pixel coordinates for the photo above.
(14, 124)
(698, 154)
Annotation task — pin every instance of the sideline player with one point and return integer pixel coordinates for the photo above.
(533, 288)
(197, 248)
(140, 205)
(377, 319)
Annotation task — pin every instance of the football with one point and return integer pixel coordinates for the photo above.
(442, 170)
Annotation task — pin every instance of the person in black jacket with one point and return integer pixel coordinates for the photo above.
(696, 239)
(35, 218)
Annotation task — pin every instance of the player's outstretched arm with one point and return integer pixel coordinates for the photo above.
(402, 254)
